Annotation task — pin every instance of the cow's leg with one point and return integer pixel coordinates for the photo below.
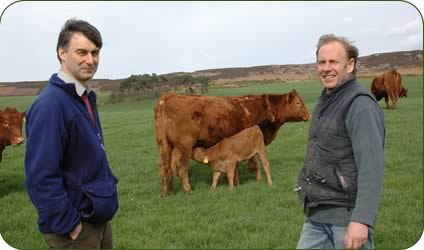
(183, 170)
(386, 99)
(258, 167)
(231, 168)
(251, 166)
(216, 175)
(265, 164)
(175, 161)
(166, 178)
(236, 175)
(392, 99)
(395, 98)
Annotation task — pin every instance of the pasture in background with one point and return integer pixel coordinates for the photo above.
(253, 216)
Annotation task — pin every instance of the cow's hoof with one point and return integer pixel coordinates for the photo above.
(187, 191)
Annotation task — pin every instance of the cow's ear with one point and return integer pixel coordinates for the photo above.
(291, 97)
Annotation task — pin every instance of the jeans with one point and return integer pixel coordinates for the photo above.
(326, 236)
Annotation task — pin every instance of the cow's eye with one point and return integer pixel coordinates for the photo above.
(6, 124)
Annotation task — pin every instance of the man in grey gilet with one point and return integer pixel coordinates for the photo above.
(341, 181)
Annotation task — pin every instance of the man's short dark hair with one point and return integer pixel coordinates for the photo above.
(72, 26)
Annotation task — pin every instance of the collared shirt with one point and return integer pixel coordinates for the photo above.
(78, 85)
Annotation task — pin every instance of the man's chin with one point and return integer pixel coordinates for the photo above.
(86, 77)
(328, 84)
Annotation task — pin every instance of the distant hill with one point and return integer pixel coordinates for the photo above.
(406, 62)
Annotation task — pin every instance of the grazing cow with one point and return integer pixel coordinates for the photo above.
(224, 156)
(183, 122)
(388, 85)
(10, 128)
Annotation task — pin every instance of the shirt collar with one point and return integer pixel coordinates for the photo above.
(70, 80)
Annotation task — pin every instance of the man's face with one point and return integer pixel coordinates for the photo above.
(81, 58)
(333, 65)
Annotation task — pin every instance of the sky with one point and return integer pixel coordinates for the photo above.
(164, 37)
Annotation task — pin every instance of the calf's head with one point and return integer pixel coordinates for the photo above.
(199, 155)
(11, 126)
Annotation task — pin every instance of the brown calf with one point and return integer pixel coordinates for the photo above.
(224, 156)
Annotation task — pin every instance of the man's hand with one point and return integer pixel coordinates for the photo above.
(75, 233)
(356, 235)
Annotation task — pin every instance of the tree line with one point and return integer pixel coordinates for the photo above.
(141, 86)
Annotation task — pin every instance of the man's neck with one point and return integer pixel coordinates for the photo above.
(79, 86)
(69, 75)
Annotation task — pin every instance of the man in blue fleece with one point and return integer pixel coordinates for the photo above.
(341, 181)
(68, 177)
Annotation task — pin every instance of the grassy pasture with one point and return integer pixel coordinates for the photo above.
(254, 216)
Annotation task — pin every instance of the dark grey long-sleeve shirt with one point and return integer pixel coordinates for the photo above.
(365, 125)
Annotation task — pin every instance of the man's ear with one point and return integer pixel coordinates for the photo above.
(350, 65)
(62, 54)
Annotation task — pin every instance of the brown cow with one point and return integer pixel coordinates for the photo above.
(183, 122)
(10, 128)
(388, 85)
(224, 156)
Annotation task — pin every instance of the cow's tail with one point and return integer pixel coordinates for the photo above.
(164, 150)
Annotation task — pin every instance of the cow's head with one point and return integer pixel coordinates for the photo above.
(403, 92)
(289, 107)
(11, 126)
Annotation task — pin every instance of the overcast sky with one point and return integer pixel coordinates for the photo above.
(164, 37)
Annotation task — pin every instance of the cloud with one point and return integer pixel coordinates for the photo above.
(409, 28)
(346, 20)
(410, 34)
(414, 41)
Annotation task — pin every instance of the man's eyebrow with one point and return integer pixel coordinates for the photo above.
(86, 50)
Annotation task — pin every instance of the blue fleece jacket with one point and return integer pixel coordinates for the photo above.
(68, 178)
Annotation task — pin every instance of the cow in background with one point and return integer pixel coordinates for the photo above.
(184, 122)
(224, 156)
(10, 128)
(388, 85)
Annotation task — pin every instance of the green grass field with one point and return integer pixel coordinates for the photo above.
(254, 216)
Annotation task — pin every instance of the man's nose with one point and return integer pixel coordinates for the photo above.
(90, 59)
(326, 67)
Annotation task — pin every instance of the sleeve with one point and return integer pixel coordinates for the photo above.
(44, 182)
(365, 124)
